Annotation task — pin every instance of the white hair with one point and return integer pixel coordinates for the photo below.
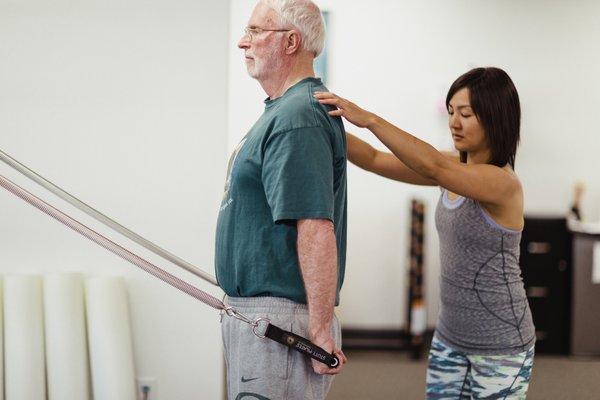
(305, 16)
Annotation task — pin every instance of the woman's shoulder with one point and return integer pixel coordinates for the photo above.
(508, 212)
(513, 178)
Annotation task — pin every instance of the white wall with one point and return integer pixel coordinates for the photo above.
(398, 58)
(123, 103)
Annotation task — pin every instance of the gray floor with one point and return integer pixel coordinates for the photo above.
(391, 375)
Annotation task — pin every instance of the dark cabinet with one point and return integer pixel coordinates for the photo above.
(585, 337)
(546, 264)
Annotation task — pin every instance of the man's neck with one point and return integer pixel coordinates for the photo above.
(278, 85)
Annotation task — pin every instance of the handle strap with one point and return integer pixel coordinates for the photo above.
(302, 345)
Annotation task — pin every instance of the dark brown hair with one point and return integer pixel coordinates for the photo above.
(495, 102)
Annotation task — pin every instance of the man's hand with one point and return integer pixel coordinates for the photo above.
(325, 341)
(317, 253)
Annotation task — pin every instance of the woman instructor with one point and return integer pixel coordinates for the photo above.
(483, 345)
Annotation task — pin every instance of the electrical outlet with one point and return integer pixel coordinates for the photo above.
(150, 383)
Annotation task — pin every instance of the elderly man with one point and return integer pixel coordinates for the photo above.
(281, 233)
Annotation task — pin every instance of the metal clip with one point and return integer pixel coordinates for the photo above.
(232, 312)
(256, 323)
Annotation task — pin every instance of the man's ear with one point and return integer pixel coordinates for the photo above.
(292, 43)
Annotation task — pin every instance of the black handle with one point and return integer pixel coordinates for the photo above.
(302, 345)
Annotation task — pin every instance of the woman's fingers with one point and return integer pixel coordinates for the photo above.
(345, 108)
(328, 96)
(331, 101)
(324, 95)
(350, 111)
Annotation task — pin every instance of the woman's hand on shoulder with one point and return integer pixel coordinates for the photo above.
(350, 111)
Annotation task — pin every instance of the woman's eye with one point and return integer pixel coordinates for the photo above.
(465, 115)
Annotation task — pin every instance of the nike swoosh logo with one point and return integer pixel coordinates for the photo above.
(244, 380)
(242, 396)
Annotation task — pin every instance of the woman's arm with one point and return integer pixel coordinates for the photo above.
(363, 155)
(481, 182)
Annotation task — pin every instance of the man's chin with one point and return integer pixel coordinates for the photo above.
(252, 73)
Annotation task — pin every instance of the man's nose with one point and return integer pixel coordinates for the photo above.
(244, 42)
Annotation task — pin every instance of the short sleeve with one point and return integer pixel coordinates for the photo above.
(297, 174)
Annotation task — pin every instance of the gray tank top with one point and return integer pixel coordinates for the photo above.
(484, 309)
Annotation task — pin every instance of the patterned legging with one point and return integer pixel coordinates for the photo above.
(454, 375)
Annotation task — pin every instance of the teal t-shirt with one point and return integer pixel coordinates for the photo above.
(291, 165)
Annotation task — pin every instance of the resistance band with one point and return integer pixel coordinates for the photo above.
(261, 327)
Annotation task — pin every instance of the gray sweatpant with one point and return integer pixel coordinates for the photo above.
(263, 369)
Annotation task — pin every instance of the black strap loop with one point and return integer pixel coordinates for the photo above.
(302, 345)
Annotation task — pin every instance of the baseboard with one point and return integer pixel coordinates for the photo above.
(384, 339)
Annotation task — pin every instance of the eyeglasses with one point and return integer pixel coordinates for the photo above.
(251, 31)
